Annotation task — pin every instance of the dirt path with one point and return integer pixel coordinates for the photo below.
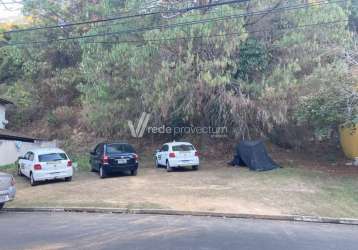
(215, 187)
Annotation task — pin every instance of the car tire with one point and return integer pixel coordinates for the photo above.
(156, 163)
(102, 173)
(169, 168)
(92, 169)
(195, 168)
(1, 205)
(68, 179)
(134, 172)
(19, 171)
(32, 180)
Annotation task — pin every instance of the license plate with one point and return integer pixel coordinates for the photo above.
(4, 198)
(186, 162)
(122, 161)
(52, 164)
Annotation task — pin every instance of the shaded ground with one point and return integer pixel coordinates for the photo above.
(215, 187)
(325, 162)
(107, 231)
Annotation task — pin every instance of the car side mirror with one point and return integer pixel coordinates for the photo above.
(157, 150)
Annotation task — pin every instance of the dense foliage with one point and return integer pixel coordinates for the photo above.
(255, 74)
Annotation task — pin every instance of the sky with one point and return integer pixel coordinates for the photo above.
(10, 12)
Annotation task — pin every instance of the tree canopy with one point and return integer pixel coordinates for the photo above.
(253, 66)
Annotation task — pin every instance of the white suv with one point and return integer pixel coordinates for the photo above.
(45, 164)
(177, 154)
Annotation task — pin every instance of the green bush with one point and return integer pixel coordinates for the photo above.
(333, 101)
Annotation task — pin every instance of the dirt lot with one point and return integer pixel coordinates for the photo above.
(215, 187)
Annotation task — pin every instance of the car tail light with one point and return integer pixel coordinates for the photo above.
(172, 155)
(37, 167)
(105, 159)
(136, 157)
(196, 153)
(69, 164)
(13, 181)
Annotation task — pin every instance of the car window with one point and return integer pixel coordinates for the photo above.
(52, 157)
(164, 148)
(26, 156)
(183, 147)
(119, 148)
(31, 156)
(98, 149)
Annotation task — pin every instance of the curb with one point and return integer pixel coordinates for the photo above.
(295, 218)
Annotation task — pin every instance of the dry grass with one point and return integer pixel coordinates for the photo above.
(215, 187)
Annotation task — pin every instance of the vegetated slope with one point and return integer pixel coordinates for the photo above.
(259, 68)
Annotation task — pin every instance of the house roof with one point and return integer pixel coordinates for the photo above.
(14, 136)
(4, 101)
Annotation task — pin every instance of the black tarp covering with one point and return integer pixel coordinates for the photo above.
(253, 154)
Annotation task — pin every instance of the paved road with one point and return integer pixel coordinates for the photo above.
(49, 231)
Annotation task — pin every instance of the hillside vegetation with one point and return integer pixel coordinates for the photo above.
(278, 69)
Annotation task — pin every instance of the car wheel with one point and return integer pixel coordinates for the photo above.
(1, 205)
(68, 179)
(195, 167)
(134, 172)
(19, 171)
(102, 173)
(169, 168)
(32, 180)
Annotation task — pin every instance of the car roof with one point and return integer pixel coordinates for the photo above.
(46, 151)
(118, 143)
(2, 174)
(175, 143)
(113, 142)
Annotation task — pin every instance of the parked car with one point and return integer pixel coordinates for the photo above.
(177, 154)
(45, 164)
(7, 188)
(109, 158)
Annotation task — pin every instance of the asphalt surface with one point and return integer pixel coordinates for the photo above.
(49, 231)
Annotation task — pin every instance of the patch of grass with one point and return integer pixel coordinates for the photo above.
(82, 162)
(10, 168)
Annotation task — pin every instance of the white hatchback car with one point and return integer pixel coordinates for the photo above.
(177, 154)
(45, 164)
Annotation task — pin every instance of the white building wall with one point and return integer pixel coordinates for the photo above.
(11, 150)
(2, 116)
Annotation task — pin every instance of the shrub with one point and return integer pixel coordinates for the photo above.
(329, 107)
(62, 115)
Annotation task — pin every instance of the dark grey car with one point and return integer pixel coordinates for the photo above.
(7, 188)
(109, 158)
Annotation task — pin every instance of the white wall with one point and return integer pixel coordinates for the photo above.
(2, 116)
(11, 150)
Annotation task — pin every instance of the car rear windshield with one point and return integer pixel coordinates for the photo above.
(119, 148)
(183, 147)
(52, 157)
